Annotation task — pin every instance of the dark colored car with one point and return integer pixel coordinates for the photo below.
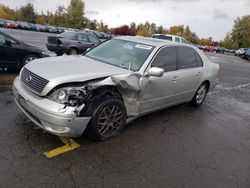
(51, 29)
(246, 55)
(10, 24)
(100, 35)
(23, 25)
(40, 28)
(106, 36)
(60, 30)
(2, 22)
(32, 26)
(220, 50)
(15, 54)
(71, 42)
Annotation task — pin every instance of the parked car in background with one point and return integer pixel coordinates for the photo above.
(2, 22)
(32, 26)
(220, 50)
(112, 84)
(100, 35)
(173, 38)
(10, 24)
(71, 43)
(240, 51)
(15, 53)
(106, 36)
(50, 29)
(209, 49)
(40, 27)
(60, 29)
(22, 25)
(246, 54)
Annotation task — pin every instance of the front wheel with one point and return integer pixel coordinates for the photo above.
(200, 95)
(108, 119)
(28, 59)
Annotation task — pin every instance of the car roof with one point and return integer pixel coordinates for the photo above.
(169, 35)
(151, 41)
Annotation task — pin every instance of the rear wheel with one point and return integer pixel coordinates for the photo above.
(59, 53)
(73, 51)
(200, 95)
(108, 119)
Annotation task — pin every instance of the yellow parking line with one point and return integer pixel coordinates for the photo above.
(70, 145)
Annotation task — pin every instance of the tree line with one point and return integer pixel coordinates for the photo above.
(73, 17)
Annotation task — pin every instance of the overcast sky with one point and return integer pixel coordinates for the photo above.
(205, 17)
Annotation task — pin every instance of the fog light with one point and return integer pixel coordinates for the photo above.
(57, 129)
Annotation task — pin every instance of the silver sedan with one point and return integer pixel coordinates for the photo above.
(112, 84)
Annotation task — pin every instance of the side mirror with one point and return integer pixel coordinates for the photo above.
(7, 42)
(155, 71)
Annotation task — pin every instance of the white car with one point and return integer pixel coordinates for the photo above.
(112, 84)
(173, 38)
(240, 51)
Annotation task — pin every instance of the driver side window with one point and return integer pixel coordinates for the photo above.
(166, 59)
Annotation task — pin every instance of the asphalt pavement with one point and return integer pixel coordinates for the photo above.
(181, 146)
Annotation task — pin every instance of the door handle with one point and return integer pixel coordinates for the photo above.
(175, 79)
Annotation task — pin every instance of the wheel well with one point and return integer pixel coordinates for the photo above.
(73, 47)
(21, 63)
(207, 84)
(97, 95)
(106, 91)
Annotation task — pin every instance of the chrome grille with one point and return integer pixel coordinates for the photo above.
(33, 81)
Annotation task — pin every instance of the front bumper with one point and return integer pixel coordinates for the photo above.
(55, 118)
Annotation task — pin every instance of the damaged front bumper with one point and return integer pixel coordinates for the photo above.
(55, 118)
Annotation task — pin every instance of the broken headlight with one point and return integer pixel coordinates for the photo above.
(68, 96)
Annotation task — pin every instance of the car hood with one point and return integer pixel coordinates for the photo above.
(66, 69)
(32, 48)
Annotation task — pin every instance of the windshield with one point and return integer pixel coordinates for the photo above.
(122, 53)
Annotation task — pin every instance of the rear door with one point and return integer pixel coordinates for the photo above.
(191, 70)
(82, 41)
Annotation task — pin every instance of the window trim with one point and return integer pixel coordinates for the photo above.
(158, 51)
(194, 55)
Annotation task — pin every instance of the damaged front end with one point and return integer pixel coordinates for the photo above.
(67, 109)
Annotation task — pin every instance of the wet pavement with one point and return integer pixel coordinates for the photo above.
(177, 147)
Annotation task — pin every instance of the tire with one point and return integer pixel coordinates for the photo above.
(27, 59)
(108, 119)
(59, 53)
(73, 51)
(200, 95)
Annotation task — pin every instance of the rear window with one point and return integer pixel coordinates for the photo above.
(187, 58)
(68, 35)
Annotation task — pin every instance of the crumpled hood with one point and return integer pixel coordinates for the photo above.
(66, 69)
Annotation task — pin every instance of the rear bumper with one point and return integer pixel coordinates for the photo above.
(55, 118)
(55, 48)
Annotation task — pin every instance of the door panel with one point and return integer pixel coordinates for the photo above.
(8, 53)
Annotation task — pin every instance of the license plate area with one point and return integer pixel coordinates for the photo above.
(21, 100)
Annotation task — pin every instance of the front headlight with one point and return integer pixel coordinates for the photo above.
(68, 96)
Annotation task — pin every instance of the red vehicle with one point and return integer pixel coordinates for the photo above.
(10, 24)
(209, 49)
